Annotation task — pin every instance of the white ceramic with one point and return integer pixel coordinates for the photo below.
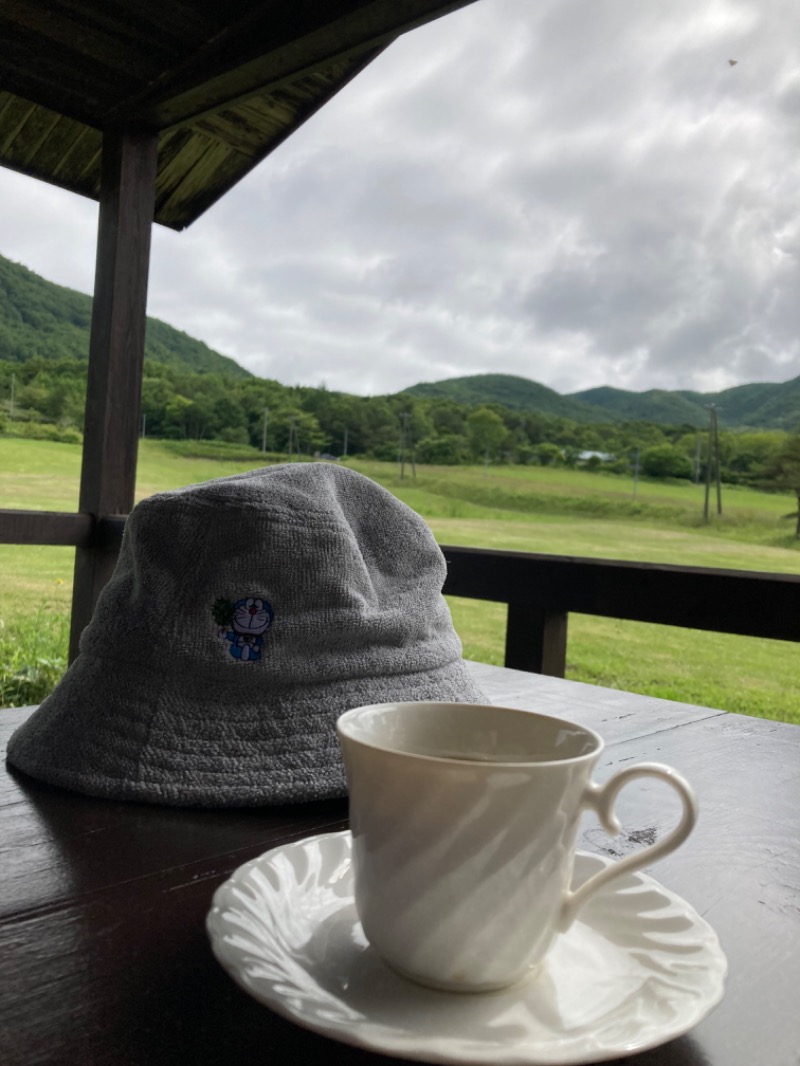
(464, 819)
(636, 969)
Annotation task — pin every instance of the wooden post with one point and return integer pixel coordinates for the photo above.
(116, 354)
(536, 640)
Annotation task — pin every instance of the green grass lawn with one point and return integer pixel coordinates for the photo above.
(521, 508)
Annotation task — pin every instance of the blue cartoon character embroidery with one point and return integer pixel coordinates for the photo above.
(243, 625)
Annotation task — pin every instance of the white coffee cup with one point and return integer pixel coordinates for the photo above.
(464, 819)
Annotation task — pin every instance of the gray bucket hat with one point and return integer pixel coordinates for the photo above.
(243, 617)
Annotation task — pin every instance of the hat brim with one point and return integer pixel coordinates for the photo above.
(104, 733)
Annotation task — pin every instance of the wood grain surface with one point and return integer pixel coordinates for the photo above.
(104, 957)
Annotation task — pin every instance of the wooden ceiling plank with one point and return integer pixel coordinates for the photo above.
(7, 103)
(171, 171)
(184, 211)
(24, 111)
(211, 158)
(233, 130)
(270, 107)
(198, 148)
(56, 155)
(81, 133)
(47, 123)
(170, 147)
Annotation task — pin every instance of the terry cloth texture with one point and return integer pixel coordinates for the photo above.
(243, 617)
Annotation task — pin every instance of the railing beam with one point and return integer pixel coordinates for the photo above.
(45, 527)
(543, 589)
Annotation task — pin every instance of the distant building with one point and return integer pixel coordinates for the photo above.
(604, 457)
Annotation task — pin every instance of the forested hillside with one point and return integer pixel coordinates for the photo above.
(655, 405)
(192, 393)
(763, 405)
(40, 319)
(520, 394)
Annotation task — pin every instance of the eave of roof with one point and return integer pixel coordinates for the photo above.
(223, 83)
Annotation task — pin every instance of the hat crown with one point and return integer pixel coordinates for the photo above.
(351, 575)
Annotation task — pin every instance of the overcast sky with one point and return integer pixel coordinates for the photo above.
(581, 192)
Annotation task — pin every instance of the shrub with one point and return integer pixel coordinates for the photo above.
(449, 449)
(664, 460)
(43, 431)
(548, 454)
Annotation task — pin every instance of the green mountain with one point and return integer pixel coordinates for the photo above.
(763, 405)
(518, 393)
(38, 318)
(655, 405)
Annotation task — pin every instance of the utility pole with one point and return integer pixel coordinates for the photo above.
(717, 458)
(264, 430)
(294, 445)
(406, 444)
(712, 458)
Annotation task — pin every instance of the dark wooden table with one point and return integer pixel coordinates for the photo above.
(104, 957)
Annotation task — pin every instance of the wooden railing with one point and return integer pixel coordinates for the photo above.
(61, 528)
(97, 541)
(540, 590)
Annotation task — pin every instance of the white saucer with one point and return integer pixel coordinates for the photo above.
(638, 968)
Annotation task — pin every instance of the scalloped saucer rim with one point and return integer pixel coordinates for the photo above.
(284, 927)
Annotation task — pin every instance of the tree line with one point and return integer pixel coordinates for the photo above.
(44, 397)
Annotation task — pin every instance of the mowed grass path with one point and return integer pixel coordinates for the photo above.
(524, 509)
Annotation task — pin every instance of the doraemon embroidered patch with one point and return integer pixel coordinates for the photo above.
(242, 625)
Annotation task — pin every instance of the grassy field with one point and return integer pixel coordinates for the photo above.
(521, 508)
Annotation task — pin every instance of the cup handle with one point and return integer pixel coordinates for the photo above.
(601, 798)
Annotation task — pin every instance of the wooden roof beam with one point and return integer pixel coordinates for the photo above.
(187, 93)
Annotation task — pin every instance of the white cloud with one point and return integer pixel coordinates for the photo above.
(583, 192)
